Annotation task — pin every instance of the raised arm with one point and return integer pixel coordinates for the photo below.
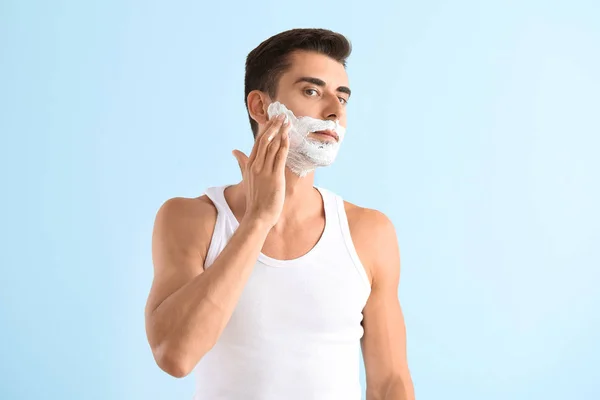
(188, 308)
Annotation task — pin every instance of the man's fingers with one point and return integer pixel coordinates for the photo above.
(264, 142)
(275, 146)
(259, 135)
(242, 160)
(282, 153)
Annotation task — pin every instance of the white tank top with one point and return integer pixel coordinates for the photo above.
(295, 332)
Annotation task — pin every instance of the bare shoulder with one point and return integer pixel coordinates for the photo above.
(186, 219)
(373, 235)
(182, 232)
(185, 213)
(187, 205)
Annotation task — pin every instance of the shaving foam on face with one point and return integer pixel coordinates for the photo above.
(306, 154)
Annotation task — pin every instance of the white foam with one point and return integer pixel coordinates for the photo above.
(306, 154)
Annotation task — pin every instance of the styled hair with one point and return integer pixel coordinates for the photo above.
(270, 59)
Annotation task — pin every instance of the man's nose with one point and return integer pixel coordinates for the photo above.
(334, 108)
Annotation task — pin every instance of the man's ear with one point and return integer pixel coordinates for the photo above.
(258, 102)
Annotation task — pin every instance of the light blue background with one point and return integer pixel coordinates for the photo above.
(473, 125)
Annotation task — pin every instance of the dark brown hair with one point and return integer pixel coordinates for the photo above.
(269, 60)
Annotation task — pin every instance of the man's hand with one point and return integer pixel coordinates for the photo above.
(263, 173)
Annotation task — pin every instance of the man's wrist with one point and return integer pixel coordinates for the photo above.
(254, 224)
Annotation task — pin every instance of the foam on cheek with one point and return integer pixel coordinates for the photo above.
(305, 153)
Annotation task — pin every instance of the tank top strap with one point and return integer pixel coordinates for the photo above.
(343, 228)
(330, 206)
(217, 196)
(224, 228)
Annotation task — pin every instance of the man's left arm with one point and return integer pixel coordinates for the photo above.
(384, 340)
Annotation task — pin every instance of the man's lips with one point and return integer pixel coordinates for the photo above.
(328, 132)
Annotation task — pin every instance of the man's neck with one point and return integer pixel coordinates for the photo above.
(301, 198)
(302, 201)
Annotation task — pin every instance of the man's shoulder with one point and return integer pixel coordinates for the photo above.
(187, 216)
(373, 235)
(358, 213)
(367, 219)
(188, 207)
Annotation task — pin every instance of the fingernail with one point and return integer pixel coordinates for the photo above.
(281, 117)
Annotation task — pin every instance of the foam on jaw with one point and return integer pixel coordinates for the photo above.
(306, 154)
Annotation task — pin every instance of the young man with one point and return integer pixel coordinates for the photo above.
(268, 288)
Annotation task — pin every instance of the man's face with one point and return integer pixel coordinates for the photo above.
(315, 86)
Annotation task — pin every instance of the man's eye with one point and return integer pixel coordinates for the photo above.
(307, 91)
(343, 100)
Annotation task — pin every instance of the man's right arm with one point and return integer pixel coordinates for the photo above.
(188, 307)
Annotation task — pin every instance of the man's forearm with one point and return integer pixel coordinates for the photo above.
(396, 388)
(189, 322)
(400, 388)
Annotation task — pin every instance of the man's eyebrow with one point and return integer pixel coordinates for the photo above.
(321, 83)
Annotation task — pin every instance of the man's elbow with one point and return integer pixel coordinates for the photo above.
(170, 363)
(400, 387)
(174, 362)
(396, 387)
